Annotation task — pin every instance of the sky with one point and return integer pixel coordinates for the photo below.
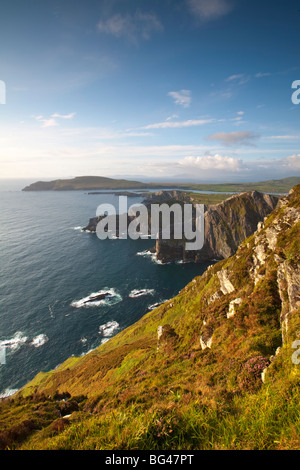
(151, 90)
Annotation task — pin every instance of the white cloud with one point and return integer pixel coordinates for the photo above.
(207, 10)
(182, 97)
(234, 138)
(284, 137)
(63, 116)
(52, 120)
(131, 27)
(212, 162)
(292, 162)
(238, 79)
(178, 124)
(173, 116)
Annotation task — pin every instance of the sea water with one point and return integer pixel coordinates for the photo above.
(50, 270)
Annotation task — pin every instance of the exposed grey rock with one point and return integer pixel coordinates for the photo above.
(205, 344)
(214, 297)
(231, 312)
(225, 284)
(165, 335)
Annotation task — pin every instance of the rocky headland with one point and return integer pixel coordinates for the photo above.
(226, 224)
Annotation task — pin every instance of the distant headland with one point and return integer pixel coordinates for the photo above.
(91, 183)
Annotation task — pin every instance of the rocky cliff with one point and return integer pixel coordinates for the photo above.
(157, 197)
(226, 225)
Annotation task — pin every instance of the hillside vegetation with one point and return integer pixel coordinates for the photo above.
(216, 367)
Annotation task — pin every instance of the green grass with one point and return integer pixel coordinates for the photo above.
(267, 420)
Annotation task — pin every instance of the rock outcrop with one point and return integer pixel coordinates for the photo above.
(226, 226)
(270, 261)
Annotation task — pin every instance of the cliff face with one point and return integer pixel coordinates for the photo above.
(226, 225)
(157, 197)
(213, 368)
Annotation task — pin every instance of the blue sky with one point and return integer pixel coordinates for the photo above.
(190, 90)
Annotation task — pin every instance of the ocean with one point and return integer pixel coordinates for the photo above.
(50, 269)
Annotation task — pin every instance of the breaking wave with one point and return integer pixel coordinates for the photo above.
(96, 299)
(153, 256)
(107, 330)
(140, 292)
(15, 342)
(157, 304)
(19, 339)
(39, 340)
(8, 392)
(144, 253)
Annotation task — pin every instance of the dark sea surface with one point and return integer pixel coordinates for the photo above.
(48, 267)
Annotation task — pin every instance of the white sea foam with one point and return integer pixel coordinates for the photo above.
(19, 339)
(89, 351)
(157, 261)
(15, 342)
(140, 292)
(77, 228)
(144, 253)
(112, 298)
(153, 306)
(39, 340)
(153, 256)
(108, 328)
(104, 340)
(8, 392)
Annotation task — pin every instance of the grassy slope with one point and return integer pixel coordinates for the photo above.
(179, 396)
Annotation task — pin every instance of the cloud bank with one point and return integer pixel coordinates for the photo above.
(234, 138)
(212, 162)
